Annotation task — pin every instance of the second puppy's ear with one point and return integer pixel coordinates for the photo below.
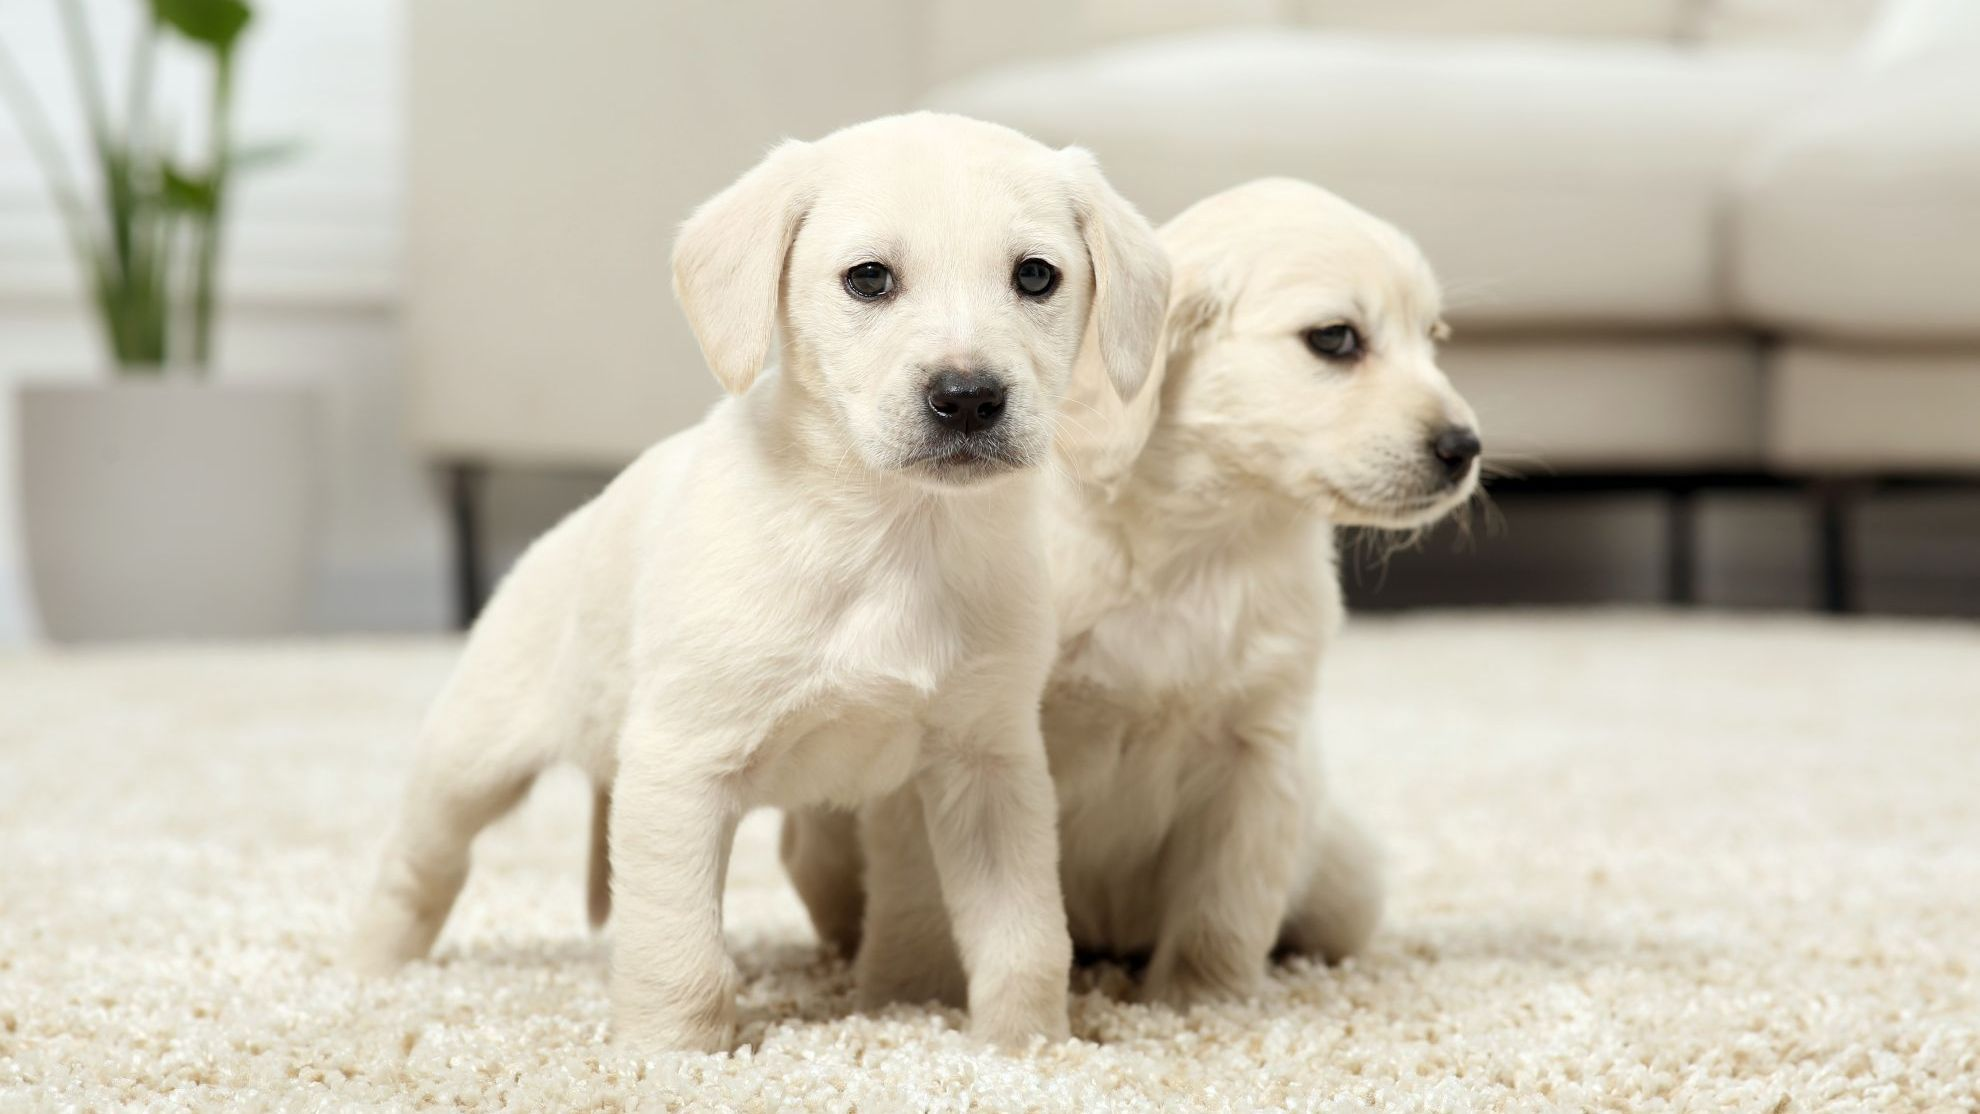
(729, 263)
(1130, 275)
(1101, 435)
(1195, 307)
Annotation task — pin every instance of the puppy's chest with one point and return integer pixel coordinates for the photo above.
(1151, 651)
(895, 644)
(878, 661)
(848, 755)
(1161, 687)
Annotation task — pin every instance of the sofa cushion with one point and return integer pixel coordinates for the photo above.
(1911, 31)
(963, 37)
(1648, 19)
(1845, 407)
(1655, 403)
(1861, 219)
(1115, 20)
(1804, 24)
(1562, 182)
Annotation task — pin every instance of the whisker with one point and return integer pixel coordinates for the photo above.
(1089, 406)
(1464, 540)
(1512, 466)
(1065, 417)
(1495, 519)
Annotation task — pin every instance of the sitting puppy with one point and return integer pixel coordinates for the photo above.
(1193, 573)
(832, 589)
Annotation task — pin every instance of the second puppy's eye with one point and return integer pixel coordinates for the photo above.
(1335, 342)
(1035, 278)
(868, 281)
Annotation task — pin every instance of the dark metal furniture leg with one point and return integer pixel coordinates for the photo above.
(1681, 547)
(464, 521)
(1835, 565)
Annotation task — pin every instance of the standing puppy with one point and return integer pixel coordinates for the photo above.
(1194, 577)
(833, 589)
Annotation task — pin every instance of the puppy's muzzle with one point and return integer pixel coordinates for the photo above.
(970, 432)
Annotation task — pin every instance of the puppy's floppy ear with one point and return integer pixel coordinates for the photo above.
(1102, 436)
(1196, 305)
(1130, 275)
(729, 263)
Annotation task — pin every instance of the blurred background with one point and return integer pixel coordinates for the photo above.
(312, 315)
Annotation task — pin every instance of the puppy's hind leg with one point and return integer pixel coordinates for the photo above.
(598, 885)
(908, 950)
(1338, 902)
(471, 769)
(821, 853)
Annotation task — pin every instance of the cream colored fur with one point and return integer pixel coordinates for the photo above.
(1193, 573)
(808, 598)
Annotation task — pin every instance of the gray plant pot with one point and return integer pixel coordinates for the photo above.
(168, 507)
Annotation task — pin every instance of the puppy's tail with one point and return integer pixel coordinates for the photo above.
(1341, 901)
(598, 887)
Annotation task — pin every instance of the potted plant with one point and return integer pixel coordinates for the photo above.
(158, 500)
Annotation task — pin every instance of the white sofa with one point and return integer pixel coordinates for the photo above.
(1684, 239)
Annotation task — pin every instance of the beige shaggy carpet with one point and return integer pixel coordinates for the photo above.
(1637, 862)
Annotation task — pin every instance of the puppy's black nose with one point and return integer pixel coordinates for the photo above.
(966, 401)
(1456, 448)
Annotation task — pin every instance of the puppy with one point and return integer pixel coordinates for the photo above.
(833, 589)
(1193, 572)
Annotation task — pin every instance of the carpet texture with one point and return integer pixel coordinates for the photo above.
(1636, 863)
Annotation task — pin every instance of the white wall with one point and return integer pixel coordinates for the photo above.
(312, 278)
(322, 226)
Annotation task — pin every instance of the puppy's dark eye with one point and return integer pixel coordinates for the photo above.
(868, 281)
(1035, 278)
(1334, 342)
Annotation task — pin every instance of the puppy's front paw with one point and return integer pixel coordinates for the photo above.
(699, 1016)
(388, 936)
(648, 1033)
(1014, 1021)
(1019, 1038)
(1182, 982)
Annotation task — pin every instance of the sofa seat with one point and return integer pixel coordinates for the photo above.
(1866, 408)
(1650, 403)
(1860, 221)
(1573, 183)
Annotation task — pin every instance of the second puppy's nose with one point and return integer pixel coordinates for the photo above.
(1456, 448)
(966, 401)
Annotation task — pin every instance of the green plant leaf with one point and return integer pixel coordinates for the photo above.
(188, 193)
(216, 23)
(261, 156)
